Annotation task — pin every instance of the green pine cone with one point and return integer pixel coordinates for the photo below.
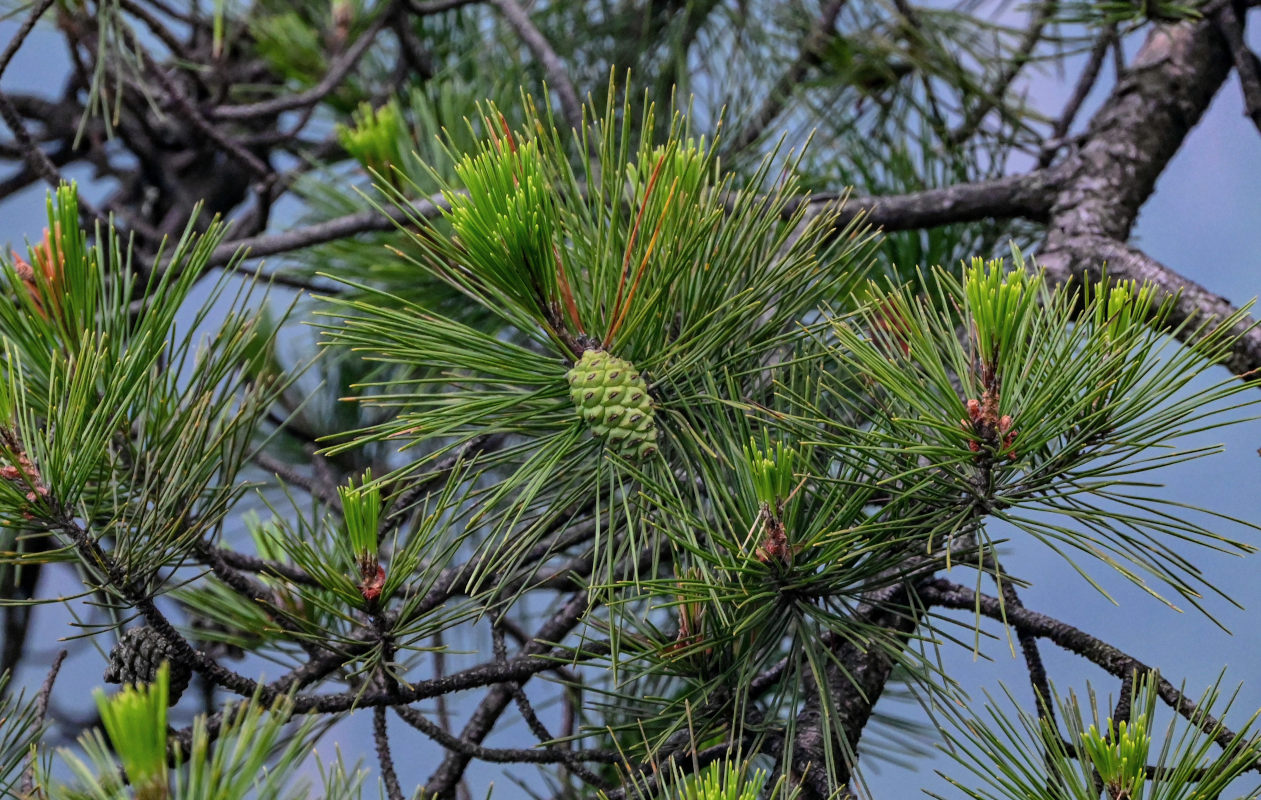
(611, 395)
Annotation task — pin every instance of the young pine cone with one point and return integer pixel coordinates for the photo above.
(611, 395)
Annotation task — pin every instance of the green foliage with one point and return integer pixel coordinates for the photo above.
(1031, 418)
(135, 721)
(1120, 754)
(1130, 13)
(378, 139)
(719, 780)
(20, 730)
(1014, 754)
(112, 413)
(774, 473)
(253, 752)
(664, 274)
(300, 41)
(617, 352)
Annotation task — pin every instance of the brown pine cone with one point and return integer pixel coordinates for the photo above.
(137, 656)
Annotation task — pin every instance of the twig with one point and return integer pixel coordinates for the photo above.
(413, 58)
(41, 712)
(175, 95)
(242, 561)
(493, 705)
(444, 709)
(521, 668)
(37, 158)
(526, 710)
(288, 474)
(911, 16)
(164, 34)
(1033, 657)
(812, 45)
(1081, 90)
(257, 592)
(446, 586)
(24, 31)
(1121, 711)
(328, 231)
(1011, 69)
(555, 71)
(1118, 57)
(381, 736)
(504, 755)
(337, 72)
(522, 638)
(28, 174)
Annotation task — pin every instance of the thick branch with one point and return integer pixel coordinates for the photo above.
(1246, 64)
(1025, 196)
(1137, 131)
(1128, 145)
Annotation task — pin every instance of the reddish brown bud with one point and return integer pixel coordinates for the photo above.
(974, 408)
(774, 546)
(372, 584)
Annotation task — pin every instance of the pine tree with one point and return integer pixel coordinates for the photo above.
(582, 394)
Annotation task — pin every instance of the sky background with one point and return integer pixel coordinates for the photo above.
(1205, 222)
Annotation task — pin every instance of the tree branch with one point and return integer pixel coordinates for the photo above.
(448, 774)
(506, 755)
(1024, 196)
(337, 73)
(41, 712)
(381, 736)
(1085, 258)
(940, 592)
(1246, 64)
(331, 230)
